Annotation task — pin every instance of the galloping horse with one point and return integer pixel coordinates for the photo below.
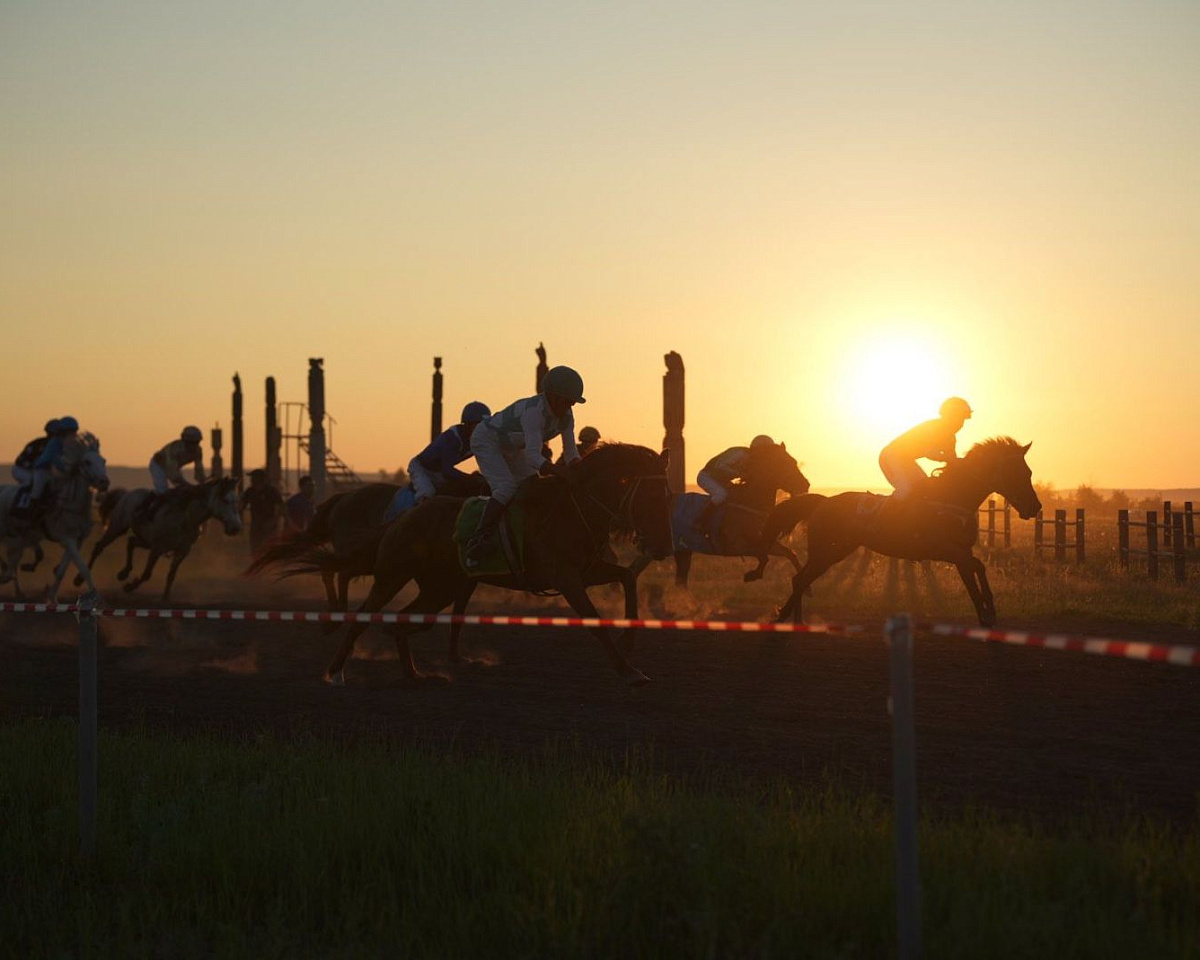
(741, 523)
(568, 523)
(352, 523)
(942, 526)
(172, 528)
(69, 520)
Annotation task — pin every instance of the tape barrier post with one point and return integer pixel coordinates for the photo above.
(898, 634)
(85, 614)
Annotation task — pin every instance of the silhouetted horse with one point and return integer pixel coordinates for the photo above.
(173, 527)
(568, 525)
(941, 526)
(741, 518)
(352, 524)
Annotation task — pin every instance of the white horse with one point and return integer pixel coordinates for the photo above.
(173, 527)
(69, 520)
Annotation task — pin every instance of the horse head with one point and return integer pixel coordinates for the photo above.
(221, 500)
(775, 466)
(82, 455)
(631, 482)
(1001, 460)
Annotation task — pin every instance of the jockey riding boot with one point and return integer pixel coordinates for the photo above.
(482, 537)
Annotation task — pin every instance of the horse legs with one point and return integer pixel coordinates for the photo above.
(330, 591)
(104, 541)
(600, 573)
(968, 568)
(776, 549)
(818, 562)
(172, 570)
(72, 554)
(460, 607)
(683, 566)
(382, 591)
(38, 556)
(151, 562)
(427, 601)
(130, 544)
(571, 586)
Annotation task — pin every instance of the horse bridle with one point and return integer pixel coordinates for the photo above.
(623, 515)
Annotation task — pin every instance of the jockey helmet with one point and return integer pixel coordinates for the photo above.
(565, 382)
(51, 426)
(761, 442)
(955, 407)
(475, 412)
(589, 435)
(66, 425)
(191, 435)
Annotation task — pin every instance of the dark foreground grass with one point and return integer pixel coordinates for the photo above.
(265, 848)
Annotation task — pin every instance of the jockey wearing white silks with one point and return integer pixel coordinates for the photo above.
(508, 445)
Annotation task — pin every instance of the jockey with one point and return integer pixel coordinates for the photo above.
(432, 468)
(716, 479)
(22, 468)
(932, 440)
(509, 445)
(48, 458)
(166, 466)
(589, 437)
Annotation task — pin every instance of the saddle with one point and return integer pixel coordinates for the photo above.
(920, 512)
(505, 553)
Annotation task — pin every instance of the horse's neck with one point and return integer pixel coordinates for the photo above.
(962, 490)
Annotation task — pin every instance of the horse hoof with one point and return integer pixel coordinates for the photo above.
(336, 679)
(78, 581)
(130, 586)
(122, 574)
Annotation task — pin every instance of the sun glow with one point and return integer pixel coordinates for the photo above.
(893, 382)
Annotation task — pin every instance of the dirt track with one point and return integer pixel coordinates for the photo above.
(1014, 728)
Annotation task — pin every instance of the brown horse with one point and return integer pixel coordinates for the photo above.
(351, 523)
(750, 503)
(568, 525)
(943, 525)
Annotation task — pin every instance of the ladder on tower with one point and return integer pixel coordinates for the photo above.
(293, 415)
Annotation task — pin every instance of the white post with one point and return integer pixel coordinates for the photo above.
(898, 634)
(88, 758)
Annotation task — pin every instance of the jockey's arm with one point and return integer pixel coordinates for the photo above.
(531, 426)
(198, 468)
(49, 455)
(570, 450)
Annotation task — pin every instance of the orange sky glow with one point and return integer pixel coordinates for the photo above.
(837, 213)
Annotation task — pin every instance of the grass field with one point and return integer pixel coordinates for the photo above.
(255, 847)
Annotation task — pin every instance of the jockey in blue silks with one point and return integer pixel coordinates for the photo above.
(509, 446)
(22, 468)
(49, 458)
(431, 470)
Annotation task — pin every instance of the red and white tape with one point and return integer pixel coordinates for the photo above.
(1177, 654)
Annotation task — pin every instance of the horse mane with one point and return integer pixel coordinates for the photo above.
(610, 455)
(984, 452)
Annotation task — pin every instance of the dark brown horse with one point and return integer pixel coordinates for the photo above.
(941, 525)
(568, 525)
(741, 523)
(351, 523)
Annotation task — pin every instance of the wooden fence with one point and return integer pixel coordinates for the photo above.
(1061, 523)
(1177, 534)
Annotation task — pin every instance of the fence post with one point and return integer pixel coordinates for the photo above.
(1166, 523)
(898, 634)
(1123, 538)
(1189, 525)
(88, 758)
(1177, 547)
(1060, 535)
(1007, 524)
(1080, 538)
(991, 522)
(1152, 542)
(1037, 535)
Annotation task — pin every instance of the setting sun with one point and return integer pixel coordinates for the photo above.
(894, 381)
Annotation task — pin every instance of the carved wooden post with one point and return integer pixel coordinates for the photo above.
(673, 397)
(316, 430)
(1123, 538)
(218, 465)
(236, 466)
(1152, 542)
(274, 436)
(435, 420)
(541, 367)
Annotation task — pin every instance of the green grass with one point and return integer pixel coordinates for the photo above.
(311, 848)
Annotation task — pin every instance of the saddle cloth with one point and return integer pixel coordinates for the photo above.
(506, 551)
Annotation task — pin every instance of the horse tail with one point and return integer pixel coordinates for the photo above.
(783, 518)
(108, 503)
(320, 528)
(323, 560)
(284, 549)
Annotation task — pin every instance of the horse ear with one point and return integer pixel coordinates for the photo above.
(782, 446)
(665, 456)
(1025, 449)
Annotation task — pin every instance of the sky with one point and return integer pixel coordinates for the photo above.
(838, 214)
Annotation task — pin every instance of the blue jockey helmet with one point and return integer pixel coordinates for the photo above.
(565, 382)
(475, 412)
(51, 426)
(66, 425)
(191, 435)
